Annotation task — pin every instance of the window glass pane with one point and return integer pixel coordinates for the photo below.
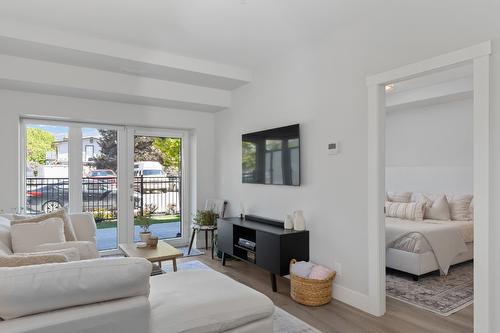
(47, 170)
(157, 186)
(100, 183)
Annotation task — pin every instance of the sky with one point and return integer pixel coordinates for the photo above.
(62, 131)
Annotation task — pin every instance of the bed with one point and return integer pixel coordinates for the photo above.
(410, 248)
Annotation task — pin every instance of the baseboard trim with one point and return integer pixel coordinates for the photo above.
(353, 298)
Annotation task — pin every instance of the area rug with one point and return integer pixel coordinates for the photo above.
(443, 295)
(283, 321)
(194, 252)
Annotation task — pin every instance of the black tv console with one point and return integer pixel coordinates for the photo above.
(274, 246)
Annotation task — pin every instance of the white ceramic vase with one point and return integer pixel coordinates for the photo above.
(288, 222)
(299, 223)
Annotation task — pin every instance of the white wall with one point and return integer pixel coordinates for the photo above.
(322, 86)
(429, 149)
(17, 104)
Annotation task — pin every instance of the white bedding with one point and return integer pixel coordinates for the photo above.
(445, 240)
(416, 243)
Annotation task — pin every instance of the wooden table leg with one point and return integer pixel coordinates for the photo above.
(174, 263)
(191, 242)
(273, 282)
(159, 264)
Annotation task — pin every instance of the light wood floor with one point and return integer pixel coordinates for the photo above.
(338, 317)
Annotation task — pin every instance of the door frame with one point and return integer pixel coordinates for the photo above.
(479, 56)
(131, 131)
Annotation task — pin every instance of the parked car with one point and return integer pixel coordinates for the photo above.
(151, 178)
(102, 173)
(47, 198)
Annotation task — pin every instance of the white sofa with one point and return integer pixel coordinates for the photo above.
(117, 295)
(85, 231)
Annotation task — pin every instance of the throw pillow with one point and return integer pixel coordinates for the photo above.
(405, 210)
(86, 250)
(17, 260)
(27, 236)
(69, 231)
(71, 253)
(398, 197)
(460, 207)
(437, 209)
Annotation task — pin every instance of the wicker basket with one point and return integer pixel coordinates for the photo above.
(310, 292)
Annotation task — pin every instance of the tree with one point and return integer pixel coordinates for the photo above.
(171, 152)
(39, 143)
(144, 150)
(108, 142)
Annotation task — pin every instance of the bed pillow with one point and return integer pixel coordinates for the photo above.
(27, 236)
(69, 231)
(405, 210)
(437, 209)
(460, 207)
(398, 196)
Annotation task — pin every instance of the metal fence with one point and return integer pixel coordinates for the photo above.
(152, 195)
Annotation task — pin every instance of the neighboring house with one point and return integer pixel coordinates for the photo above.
(90, 150)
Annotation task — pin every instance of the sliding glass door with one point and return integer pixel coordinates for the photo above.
(158, 184)
(74, 166)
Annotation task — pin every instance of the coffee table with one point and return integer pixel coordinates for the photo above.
(163, 252)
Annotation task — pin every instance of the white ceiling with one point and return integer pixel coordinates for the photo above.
(227, 31)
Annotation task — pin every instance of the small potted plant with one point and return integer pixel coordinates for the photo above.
(144, 223)
(205, 217)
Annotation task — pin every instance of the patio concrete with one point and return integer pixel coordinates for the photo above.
(107, 238)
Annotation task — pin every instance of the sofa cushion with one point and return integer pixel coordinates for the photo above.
(41, 288)
(86, 250)
(27, 236)
(69, 232)
(204, 301)
(18, 260)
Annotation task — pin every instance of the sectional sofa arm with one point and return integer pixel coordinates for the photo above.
(37, 289)
(130, 314)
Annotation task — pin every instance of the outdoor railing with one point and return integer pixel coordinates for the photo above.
(152, 195)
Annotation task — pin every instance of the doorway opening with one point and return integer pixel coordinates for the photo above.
(479, 57)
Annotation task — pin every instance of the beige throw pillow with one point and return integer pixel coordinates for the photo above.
(460, 207)
(17, 260)
(405, 210)
(437, 209)
(69, 231)
(398, 197)
(27, 236)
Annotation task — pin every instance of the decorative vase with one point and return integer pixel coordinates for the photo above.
(145, 236)
(152, 242)
(288, 221)
(299, 223)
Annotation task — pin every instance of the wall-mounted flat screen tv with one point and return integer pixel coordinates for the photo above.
(272, 156)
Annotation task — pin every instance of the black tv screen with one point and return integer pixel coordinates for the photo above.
(272, 156)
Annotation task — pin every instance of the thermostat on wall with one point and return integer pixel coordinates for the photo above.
(333, 148)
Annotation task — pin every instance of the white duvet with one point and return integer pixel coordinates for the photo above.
(416, 243)
(446, 240)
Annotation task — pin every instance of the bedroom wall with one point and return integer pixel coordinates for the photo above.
(17, 104)
(429, 149)
(322, 86)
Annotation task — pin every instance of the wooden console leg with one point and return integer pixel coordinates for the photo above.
(273, 282)
(223, 259)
